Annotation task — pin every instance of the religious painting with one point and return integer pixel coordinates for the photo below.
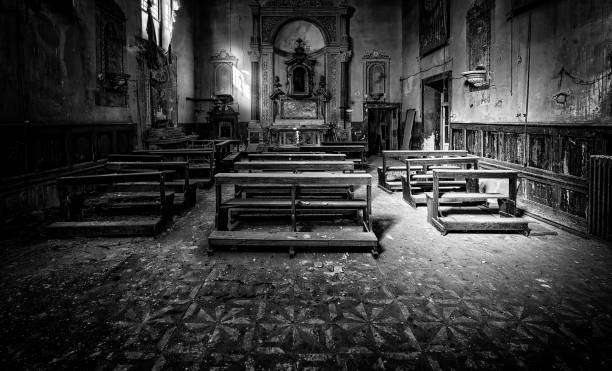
(223, 79)
(110, 49)
(434, 25)
(376, 79)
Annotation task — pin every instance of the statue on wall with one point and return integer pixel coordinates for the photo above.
(277, 93)
(323, 96)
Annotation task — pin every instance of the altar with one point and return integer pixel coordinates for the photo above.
(297, 124)
(299, 113)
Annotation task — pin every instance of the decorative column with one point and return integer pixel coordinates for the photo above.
(267, 81)
(345, 58)
(255, 55)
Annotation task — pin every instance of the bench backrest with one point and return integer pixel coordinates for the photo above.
(181, 167)
(413, 154)
(314, 178)
(406, 154)
(357, 143)
(113, 178)
(295, 165)
(201, 144)
(135, 157)
(475, 174)
(334, 148)
(296, 157)
(432, 161)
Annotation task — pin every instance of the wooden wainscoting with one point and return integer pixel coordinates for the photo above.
(33, 155)
(553, 161)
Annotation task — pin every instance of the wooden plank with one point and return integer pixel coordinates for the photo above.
(315, 178)
(441, 161)
(335, 148)
(412, 153)
(135, 157)
(109, 178)
(177, 152)
(296, 157)
(295, 239)
(469, 197)
(463, 174)
(295, 165)
(143, 227)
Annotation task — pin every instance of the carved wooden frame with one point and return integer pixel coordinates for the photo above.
(220, 61)
(375, 58)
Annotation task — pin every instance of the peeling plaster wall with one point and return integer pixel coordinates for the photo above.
(376, 25)
(565, 34)
(182, 42)
(52, 54)
(224, 25)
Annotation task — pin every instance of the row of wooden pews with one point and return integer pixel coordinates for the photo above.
(448, 182)
(328, 205)
(136, 193)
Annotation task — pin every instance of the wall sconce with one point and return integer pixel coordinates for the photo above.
(477, 78)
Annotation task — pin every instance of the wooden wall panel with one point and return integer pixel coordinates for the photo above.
(553, 161)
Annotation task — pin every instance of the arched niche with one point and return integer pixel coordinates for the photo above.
(331, 48)
(291, 31)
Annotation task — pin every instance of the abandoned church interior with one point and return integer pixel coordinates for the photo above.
(306, 185)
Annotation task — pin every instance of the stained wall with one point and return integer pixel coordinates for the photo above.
(565, 36)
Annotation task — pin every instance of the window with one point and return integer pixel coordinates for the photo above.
(162, 14)
(145, 16)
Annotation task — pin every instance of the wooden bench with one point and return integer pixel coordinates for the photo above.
(296, 157)
(355, 153)
(181, 185)
(223, 236)
(247, 190)
(135, 157)
(385, 169)
(201, 162)
(417, 182)
(227, 163)
(506, 220)
(89, 207)
(295, 166)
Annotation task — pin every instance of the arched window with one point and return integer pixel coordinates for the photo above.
(162, 17)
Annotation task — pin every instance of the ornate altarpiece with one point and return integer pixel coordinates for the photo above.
(269, 17)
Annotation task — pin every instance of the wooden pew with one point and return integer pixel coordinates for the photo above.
(111, 213)
(222, 236)
(355, 153)
(135, 157)
(201, 162)
(247, 190)
(417, 182)
(508, 220)
(296, 157)
(402, 155)
(181, 185)
(295, 166)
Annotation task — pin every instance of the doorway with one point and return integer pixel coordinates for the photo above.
(381, 122)
(436, 112)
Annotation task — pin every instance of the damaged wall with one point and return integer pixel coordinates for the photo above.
(567, 58)
(60, 113)
(546, 108)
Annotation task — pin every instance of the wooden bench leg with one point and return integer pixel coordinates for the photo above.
(293, 216)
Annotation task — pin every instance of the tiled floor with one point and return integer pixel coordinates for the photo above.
(461, 301)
